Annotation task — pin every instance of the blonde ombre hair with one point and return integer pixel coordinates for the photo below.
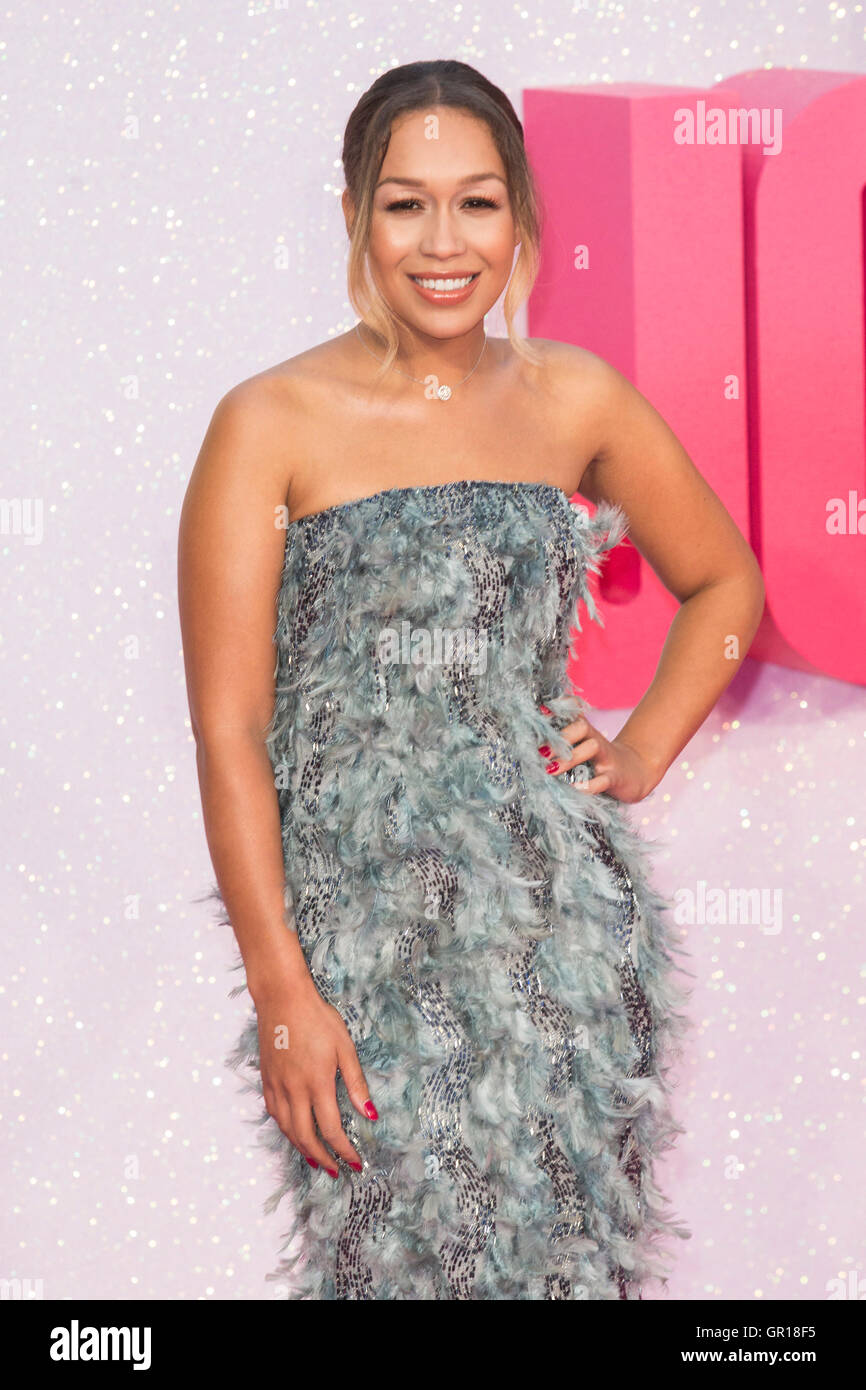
(416, 87)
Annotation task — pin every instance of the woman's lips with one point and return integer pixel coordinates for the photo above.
(446, 297)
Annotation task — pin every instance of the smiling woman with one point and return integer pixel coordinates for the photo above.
(463, 983)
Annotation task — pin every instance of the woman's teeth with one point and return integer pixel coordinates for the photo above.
(443, 285)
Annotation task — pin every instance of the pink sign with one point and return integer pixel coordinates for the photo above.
(709, 244)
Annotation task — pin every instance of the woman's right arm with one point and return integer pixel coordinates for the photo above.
(230, 557)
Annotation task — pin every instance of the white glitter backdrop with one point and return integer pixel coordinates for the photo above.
(156, 159)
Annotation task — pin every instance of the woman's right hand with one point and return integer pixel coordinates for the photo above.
(303, 1043)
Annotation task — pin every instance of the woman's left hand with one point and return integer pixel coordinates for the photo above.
(619, 769)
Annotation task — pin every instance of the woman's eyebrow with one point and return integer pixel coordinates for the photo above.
(419, 183)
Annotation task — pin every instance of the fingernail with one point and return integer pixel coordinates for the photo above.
(552, 767)
(333, 1172)
(544, 709)
(370, 1110)
(312, 1162)
(544, 750)
(358, 1167)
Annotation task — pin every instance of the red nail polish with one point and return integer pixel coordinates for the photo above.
(370, 1110)
(552, 767)
(544, 709)
(333, 1172)
(312, 1162)
(358, 1167)
(544, 750)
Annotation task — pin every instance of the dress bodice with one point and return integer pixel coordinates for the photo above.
(413, 603)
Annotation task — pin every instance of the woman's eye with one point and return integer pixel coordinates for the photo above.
(405, 204)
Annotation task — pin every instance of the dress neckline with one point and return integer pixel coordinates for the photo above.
(514, 484)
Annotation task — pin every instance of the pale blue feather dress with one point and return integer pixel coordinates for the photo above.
(487, 931)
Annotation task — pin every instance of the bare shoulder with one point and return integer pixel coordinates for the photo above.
(315, 365)
(583, 395)
(266, 398)
(262, 421)
(585, 386)
(575, 368)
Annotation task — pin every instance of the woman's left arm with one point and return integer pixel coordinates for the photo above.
(693, 544)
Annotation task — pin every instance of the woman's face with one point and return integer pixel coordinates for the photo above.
(441, 213)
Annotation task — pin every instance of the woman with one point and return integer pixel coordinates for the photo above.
(462, 983)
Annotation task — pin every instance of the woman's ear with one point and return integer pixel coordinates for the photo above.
(348, 210)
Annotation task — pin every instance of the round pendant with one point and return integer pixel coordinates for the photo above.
(444, 393)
